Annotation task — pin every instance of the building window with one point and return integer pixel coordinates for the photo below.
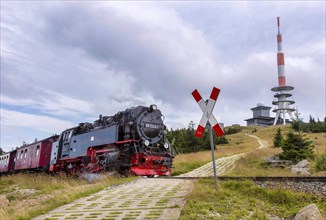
(38, 150)
(25, 154)
(21, 154)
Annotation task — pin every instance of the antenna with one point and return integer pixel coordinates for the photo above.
(282, 90)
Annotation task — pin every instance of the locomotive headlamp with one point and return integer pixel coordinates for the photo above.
(166, 145)
(146, 143)
(153, 107)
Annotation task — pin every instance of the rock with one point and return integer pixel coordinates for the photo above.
(275, 161)
(301, 168)
(303, 164)
(310, 212)
(302, 171)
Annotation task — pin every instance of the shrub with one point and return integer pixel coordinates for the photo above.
(233, 130)
(321, 163)
(296, 148)
(278, 138)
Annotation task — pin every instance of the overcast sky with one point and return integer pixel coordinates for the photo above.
(67, 62)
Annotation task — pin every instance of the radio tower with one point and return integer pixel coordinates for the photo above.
(282, 90)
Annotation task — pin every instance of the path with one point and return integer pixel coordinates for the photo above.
(222, 164)
(145, 198)
(262, 143)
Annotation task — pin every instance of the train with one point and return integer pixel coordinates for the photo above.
(131, 142)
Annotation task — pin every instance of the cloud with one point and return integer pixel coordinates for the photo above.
(126, 39)
(71, 61)
(51, 103)
(37, 122)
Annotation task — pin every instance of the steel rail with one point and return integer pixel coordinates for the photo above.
(257, 178)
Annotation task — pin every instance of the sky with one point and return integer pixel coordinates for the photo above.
(64, 62)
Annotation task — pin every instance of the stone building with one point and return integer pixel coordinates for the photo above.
(261, 116)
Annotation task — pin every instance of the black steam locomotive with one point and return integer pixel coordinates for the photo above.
(132, 141)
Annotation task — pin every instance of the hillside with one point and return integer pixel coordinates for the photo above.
(253, 163)
(24, 196)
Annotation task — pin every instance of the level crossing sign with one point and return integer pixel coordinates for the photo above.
(207, 109)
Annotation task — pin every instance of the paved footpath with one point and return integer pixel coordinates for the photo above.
(145, 198)
(222, 164)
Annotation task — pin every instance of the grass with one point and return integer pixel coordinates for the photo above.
(267, 133)
(238, 143)
(253, 164)
(48, 192)
(244, 200)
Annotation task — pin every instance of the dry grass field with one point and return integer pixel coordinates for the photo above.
(253, 164)
(238, 143)
(245, 200)
(23, 196)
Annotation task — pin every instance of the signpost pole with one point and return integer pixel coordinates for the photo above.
(212, 149)
(207, 108)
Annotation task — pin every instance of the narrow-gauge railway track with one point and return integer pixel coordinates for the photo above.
(258, 178)
(309, 184)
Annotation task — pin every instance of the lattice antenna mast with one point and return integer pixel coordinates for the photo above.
(282, 90)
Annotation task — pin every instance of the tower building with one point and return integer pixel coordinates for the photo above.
(260, 116)
(281, 98)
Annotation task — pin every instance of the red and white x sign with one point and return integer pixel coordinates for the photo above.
(207, 109)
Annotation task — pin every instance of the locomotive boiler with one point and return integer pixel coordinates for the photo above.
(131, 142)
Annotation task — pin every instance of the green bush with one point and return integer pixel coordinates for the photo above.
(278, 138)
(311, 126)
(187, 142)
(233, 130)
(321, 163)
(296, 148)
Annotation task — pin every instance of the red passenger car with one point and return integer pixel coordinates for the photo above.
(4, 162)
(7, 162)
(35, 156)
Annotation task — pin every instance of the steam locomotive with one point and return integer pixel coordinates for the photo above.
(130, 142)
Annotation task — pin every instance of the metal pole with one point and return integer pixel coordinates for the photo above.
(213, 157)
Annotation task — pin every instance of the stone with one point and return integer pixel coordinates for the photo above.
(303, 164)
(301, 168)
(275, 161)
(310, 212)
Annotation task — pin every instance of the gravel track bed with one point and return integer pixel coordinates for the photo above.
(318, 188)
